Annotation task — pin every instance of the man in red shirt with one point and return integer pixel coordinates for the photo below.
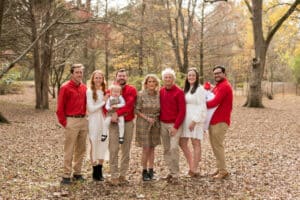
(220, 120)
(71, 110)
(129, 94)
(172, 113)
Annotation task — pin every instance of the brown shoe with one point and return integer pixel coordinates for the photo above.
(167, 178)
(123, 180)
(173, 180)
(114, 182)
(214, 174)
(193, 174)
(221, 175)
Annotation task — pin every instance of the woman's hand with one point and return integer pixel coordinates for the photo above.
(192, 126)
(150, 120)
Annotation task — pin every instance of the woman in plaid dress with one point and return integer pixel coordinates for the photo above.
(147, 124)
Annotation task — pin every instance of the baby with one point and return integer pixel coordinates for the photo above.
(114, 102)
(209, 95)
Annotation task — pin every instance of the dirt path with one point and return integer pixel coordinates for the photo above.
(262, 148)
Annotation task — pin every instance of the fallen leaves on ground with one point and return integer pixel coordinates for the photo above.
(262, 151)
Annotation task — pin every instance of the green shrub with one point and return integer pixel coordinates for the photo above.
(9, 85)
(239, 85)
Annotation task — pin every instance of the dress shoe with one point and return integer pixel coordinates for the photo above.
(168, 177)
(123, 180)
(214, 174)
(114, 182)
(65, 181)
(221, 175)
(78, 178)
(173, 180)
(193, 174)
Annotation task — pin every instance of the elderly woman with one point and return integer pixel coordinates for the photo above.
(147, 123)
(95, 101)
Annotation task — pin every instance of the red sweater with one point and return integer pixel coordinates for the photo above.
(172, 106)
(129, 93)
(71, 101)
(223, 99)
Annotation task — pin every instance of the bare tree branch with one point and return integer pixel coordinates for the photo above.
(281, 20)
(12, 64)
(248, 6)
(276, 5)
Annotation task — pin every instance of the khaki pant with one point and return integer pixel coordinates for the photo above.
(171, 147)
(75, 143)
(114, 147)
(216, 138)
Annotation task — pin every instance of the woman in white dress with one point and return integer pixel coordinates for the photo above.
(193, 125)
(95, 101)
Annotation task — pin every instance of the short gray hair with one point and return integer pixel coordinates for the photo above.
(168, 71)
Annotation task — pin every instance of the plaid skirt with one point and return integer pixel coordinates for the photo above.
(147, 135)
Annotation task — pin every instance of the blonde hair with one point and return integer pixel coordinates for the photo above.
(93, 87)
(115, 87)
(168, 71)
(153, 76)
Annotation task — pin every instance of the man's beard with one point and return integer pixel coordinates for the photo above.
(123, 83)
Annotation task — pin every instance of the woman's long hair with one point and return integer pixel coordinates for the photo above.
(93, 87)
(187, 85)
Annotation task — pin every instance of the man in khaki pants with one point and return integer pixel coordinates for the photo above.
(71, 110)
(220, 120)
(172, 113)
(129, 93)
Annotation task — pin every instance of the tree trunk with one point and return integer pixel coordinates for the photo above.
(254, 98)
(2, 4)
(141, 40)
(201, 49)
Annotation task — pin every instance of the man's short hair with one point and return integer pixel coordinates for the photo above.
(121, 70)
(168, 71)
(219, 67)
(77, 65)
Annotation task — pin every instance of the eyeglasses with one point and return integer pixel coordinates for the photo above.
(217, 73)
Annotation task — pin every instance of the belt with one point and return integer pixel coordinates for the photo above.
(76, 116)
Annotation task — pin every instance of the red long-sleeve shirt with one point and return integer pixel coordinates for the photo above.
(172, 106)
(71, 101)
(223, 99)
(129, 93)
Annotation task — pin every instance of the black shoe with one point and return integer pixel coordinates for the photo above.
(103, 137)
(145, 175)
(99, 169)
(65, 181)
(78, 178)
(151, 174)
(121, 140)
(95, 173)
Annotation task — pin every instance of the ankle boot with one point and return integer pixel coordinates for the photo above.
(151, 173)
(101, 178)
(145, 175)
(95, 173)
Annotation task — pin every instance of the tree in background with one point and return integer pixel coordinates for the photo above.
(261, 44)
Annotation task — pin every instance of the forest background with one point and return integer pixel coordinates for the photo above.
(257, 41)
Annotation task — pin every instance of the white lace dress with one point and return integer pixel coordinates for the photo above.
(96, 123)
(195, 111)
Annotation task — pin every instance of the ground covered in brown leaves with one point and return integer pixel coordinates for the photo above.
(262, 148)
